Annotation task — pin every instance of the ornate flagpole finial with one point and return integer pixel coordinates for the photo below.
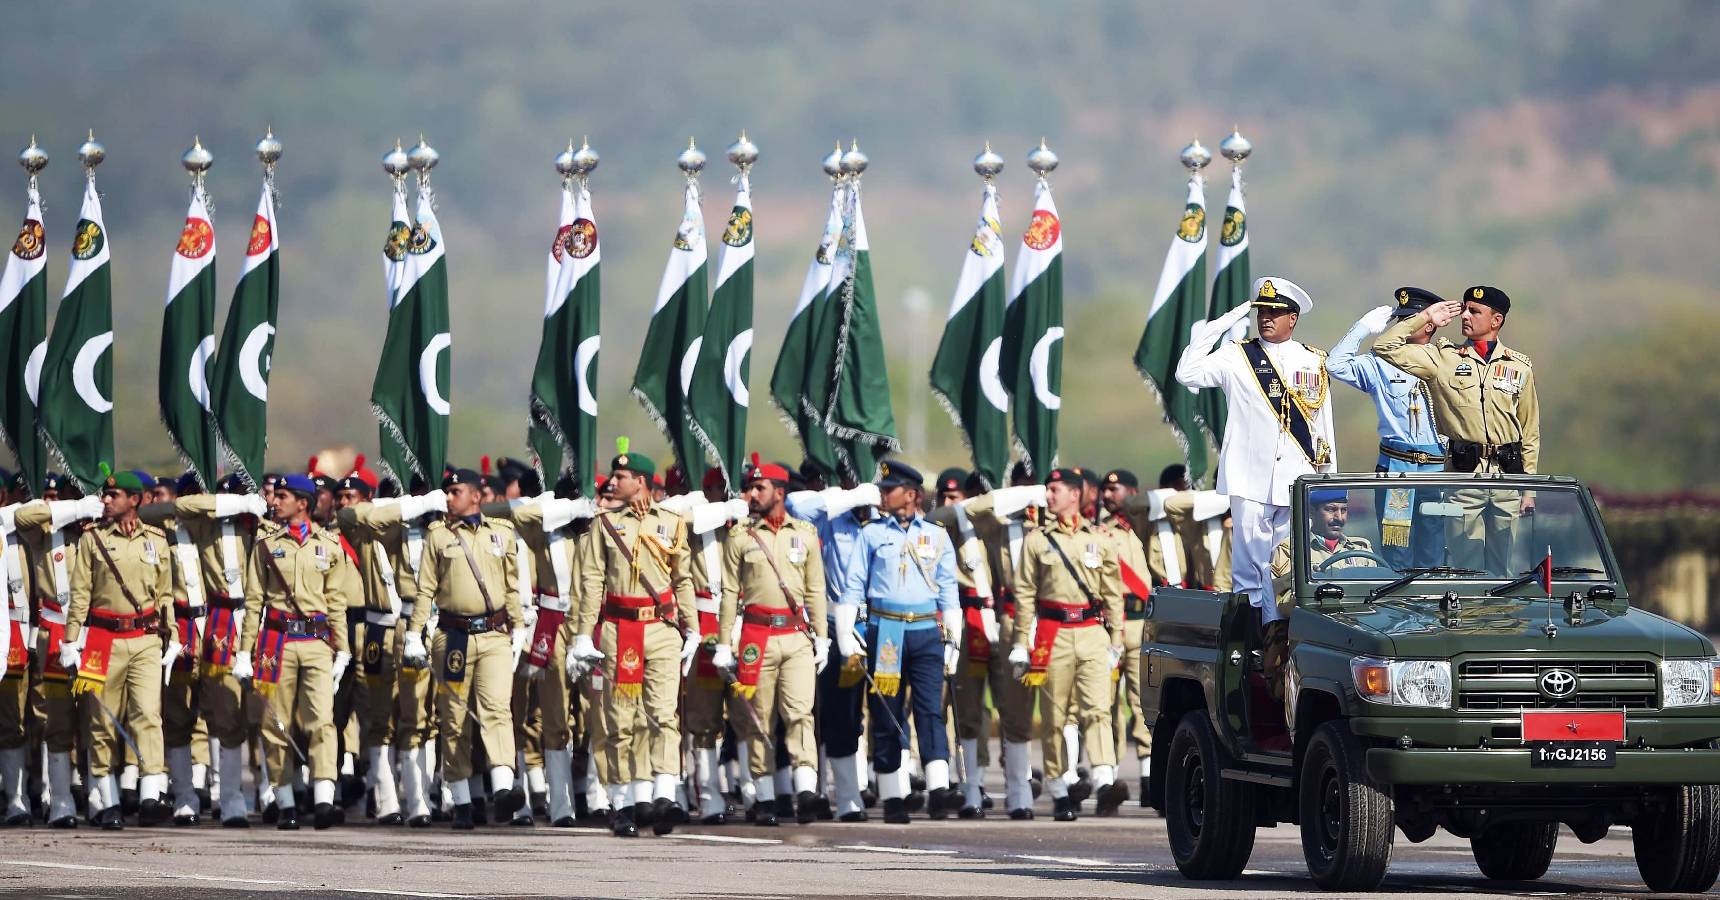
(692, 160)
(1041, 160)
(197, 160)
(33, 158)
(396, 163)
(564, 162)
(422, 158)
(269, 149)
(854, 161)
(987, 165)
(91, 154)
(1235, 148)
(1195, 157)
(832, 163)
(742, 153)
(585, 160)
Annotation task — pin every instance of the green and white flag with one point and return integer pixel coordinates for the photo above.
(665, 370)
(1178, 302)
(23, 343)
(188, 344)
(410, 394)
(75, 405)
(965, 375)
(1229, 290)
(858, 417)
(718, 396)
(788, 381)
(248, 345)
(1032, 356)
(564, 384)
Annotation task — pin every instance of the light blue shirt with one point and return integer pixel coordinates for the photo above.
(1392, 390)
(836, 537)
(890, 572)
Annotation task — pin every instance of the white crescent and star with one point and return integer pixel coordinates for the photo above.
(253, 365)
(688, 361)
(989, 383)
(732, 362)
(84, 372)
(1039, 368)
(427, 373)
(33, 372)
(583, 356)
(197, 378)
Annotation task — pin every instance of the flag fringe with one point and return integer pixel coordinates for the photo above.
(398, 436)
(539, 414)
(713, 457)
(785, 417)
(657, 418)
(1164, 411)
(59, 457)
(224, 450)
(185, 458)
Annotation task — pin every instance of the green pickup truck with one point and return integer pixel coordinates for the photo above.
(1463, 655)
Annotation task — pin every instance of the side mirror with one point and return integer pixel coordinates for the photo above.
(1328, 595)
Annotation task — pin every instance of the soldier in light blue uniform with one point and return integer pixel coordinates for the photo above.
(1409, 434)
(903, 570)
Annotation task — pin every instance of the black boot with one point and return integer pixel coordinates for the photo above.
(540, 806)
(1111, 796)
(271, 814)
(418, 822)
(110, 819)
(1145, 795)
(622, 823)
(895, 811)
(204, 802)
(824, 810)
(323, 816)
(1063, 809)
(642, 814)
(916, 800)
(764, 814)
(785, 807)
(151, 812)
(953, 799)
(1023, 814)
(128, 802)
(937, 803)
(1081, 790)
(505, 803)
(287, 819)
(868, 797)
(464, 817)
(236, 822)
(581, 809)
(394, 819)
(806, 807)
(665, 815)
(479, 814)
(187, 820)
(859, 815)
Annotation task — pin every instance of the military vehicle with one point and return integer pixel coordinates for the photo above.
(1462, 654)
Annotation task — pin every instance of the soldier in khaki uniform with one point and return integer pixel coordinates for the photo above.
(1070, 571)
(636, 579)
(294, 646)
(470, 575)
(1483, 396)
(773, 579)
(122, 596)
(48, 535)
(15, 674)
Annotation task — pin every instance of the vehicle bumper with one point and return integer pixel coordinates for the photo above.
(1391, 766)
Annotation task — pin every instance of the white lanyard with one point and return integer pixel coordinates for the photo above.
(522, 571)
(385, 569)
(62, 580)
(973, 553)
(562, 567)
(711, 557)
(232, 571)
(414, 548)
(190, 572)
(1168, 552)
(1214, 536)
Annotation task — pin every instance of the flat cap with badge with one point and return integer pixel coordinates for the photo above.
(128, 482)
(302, 485)
(1273, 292)
(895, 473)
(1412, 300)
(1123, 477)
(461, 476)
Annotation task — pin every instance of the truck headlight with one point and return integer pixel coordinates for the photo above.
(1689, 682)
(1402, 682)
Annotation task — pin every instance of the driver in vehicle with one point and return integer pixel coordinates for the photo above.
(1330, 513)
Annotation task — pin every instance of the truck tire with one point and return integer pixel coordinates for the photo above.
(1210, 820)
(1678, 850)
(1347, 818)
(1515, 851)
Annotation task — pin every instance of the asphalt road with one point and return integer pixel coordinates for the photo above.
(1121, 857)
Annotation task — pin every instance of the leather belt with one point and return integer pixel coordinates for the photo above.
(480, 624)
(222, 601)
(637, 609)
(972, 599)
(144, 621)
(1418, 457)
(184, 610)
(903, 616)
(1065, 613)
(780, 619)
(294, 625)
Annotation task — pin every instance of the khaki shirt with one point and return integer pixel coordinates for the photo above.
(1200, 567)
(662, 558)
(1488, 402)
(145, 564)
(196, 514)
(1145, 534)
(34, 524)
(1283, 566)
(320, 576)
(1043, 575)
(749, 579)
(381, 526)
(1132, 552)
(993, 533)
(446, 579)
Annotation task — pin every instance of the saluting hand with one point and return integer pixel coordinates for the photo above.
(1444, 313)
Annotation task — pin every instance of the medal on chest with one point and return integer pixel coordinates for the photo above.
(496, 548)
(925, 549)
(1090, 555)
(796, 550)
(150, 555)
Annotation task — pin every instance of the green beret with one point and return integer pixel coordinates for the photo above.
(124, 481)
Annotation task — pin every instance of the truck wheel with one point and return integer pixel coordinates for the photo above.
(1347, 819)
(1678, 849)
(1210, 819)
(1515, 851)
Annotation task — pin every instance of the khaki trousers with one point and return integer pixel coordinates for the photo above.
(786, 684)
(596, 732)
(485, 694)
(414, 722)
(1482, 538)
(14, 709)
(132, 694)
(545, 698)
(303, 702)
(53, 700)
(381, 691)
(644, 728)
(1012, 701)
(1127, 717)
(223, 709)
(1077, 688)
(704, 710)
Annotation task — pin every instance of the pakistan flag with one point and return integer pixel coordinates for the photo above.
(788, 380)
(857, 417)
(665, 370)
(410, 394)
(23, 341)
(717, 398)
(1230, 289)
(965, 375)
(188, 343)
(1178, 303)
(247, 347)
(1033, 336)
(75, 409)
(564, 390)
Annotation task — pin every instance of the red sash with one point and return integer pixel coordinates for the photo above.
(17, 655)
(54, 679)
(546, 633)
(755, 637)
(98, 652)
(1044, 635)
(978, 645)
(220, 638)
(1133, 583)
(629, 643)
(706, 675)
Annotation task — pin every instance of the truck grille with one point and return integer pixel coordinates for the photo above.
(1512, 684)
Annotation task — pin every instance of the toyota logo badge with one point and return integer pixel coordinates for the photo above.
(1558, 683)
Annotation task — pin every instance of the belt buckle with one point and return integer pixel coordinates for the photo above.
(778, 621)
(1421, 458)
(648, 614)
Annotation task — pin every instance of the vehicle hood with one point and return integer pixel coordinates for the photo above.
(1417, 628)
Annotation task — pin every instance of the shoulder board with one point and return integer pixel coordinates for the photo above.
(499, 522)
(268, 528)
(1252, 340)
(152, 531)
(1518, 356)
(665, 512)
(1315, 350)
(1446, 344)
(437, 524)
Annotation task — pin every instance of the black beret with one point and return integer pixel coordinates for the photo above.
(952, 479)
(1123, 477)
(1067, 476)
(460, 476)
(1489, 296)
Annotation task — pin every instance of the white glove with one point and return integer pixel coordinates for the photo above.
(576, 667)
(228, 505)
(848, 643)
(737, 509)
(242, 667)
(528, 612)
(1018, 662)
(70, 658)
(709, 516)
(1008, 501)
(435, 501)
(168, 657)
(1377, 319)
(557, 513)
(952, 656)
(723, 657)
(1116, 655)
(585, 649)
(413, 654)
(820, 654)
(1236, 315)
(690, 648)
(342, 659)
(988, 621)
(64, 512)
(517, 643)
(838, 501)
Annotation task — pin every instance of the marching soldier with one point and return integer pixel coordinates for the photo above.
(904, 571)
(122, 602)
(294, 646)
(15, 677)
(1409, 434)
(1280, 427)
(470, 576)
(1069, 638)
(371, 629)
(635, 569)
(773, 579)
(1484, 398)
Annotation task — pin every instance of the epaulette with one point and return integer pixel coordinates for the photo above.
(1317, 351)
(1446, 344)
(500, 522)
(152, 530)
(1518, 355)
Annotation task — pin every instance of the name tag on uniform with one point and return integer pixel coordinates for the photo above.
(1090, 556)
(796, 550)
(278, 553)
